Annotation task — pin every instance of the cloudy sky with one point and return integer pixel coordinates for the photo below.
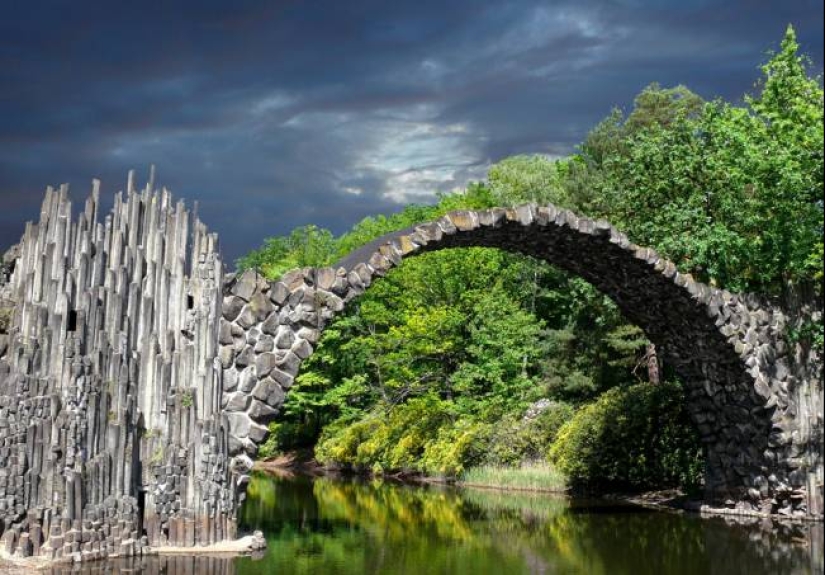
(278, 114)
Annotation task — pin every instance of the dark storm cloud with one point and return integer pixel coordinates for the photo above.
(276, 114)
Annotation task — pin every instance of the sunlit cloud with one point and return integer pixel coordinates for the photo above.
(328, 112)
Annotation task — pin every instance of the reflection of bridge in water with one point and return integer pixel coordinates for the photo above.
(137, 379)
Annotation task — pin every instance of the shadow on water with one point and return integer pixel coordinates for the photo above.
(317, 526)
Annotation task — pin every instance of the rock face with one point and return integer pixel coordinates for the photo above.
(112, 436)
(137, 380)
(756, 399)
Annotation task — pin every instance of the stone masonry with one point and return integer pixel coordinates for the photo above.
(756, 398)
(137, 380)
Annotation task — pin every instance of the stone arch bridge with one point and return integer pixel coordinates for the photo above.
(137, 379)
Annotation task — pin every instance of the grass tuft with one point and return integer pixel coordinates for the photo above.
(529, 477)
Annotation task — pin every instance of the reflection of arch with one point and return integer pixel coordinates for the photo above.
(723, 346)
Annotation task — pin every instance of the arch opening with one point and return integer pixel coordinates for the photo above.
(718, 343)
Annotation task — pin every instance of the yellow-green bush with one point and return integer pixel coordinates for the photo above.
(340, 445)
(388, 439)
(636, 437)
(516, 439)
(456, 448)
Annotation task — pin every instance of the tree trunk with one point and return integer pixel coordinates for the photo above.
(652, 364)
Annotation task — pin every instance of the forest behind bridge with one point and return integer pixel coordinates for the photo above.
(466, 362)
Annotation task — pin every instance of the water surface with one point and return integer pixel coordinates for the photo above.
(333, 526)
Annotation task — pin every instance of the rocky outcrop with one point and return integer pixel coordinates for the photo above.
(111, 434)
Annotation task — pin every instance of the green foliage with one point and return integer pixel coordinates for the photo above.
(431, 370)
(638, 437)
(153, 433)
(6, 314)
(187, 399)
(810, 333)
(455, 448)
(311, 246)
(386, 440)
(272, 446)
(515, 439)
(307, 246)
(157, 456)
(522, 179)
(732, 194)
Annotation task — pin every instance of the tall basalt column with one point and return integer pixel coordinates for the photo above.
(111, 438)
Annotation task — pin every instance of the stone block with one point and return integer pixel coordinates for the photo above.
(325, 278)
(246, 357)
(264, 363)
(260, 411)
(271, 324)
(247, 317)
(225, 332)
(260, 306)
(239, 424)
(237, 401)
(257, 433)
(232, 307)
(279, 293)
(302, 348)
(310, 334)
(270, 392)
(226, 355)
(265, 343)
(284, 379)
(247, 379)
(293, 280)
(285, 338)
(525, 214)
(244, 285)
(289, 363)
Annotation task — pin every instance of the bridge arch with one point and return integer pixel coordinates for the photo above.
(727, 348)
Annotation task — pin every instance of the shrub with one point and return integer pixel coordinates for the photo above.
(339, 444)
(519, 439)
(635, 437)
(420, 435)
(272, 446)
(455, 448)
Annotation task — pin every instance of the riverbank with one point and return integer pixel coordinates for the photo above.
(535, 478)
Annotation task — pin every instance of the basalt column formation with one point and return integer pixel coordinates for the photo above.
(112, 437)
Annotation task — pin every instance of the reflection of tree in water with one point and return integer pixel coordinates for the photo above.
(527, 532)
(341, 527)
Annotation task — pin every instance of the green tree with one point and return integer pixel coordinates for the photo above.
(307, 246)
(523, 179)
(716, 191)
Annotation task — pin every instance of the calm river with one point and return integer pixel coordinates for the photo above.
(320, 526)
